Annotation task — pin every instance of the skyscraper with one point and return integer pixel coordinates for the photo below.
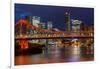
(49, 25)
(35, 20)
(76, 25)
(67, 21)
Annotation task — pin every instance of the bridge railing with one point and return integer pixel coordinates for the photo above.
(57, 34)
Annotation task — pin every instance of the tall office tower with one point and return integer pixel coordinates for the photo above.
(76, 25)
(67, 21)
(49, 25)
(35, 20)
(43, 26)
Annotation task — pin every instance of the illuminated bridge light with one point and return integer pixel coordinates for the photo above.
(24, 44)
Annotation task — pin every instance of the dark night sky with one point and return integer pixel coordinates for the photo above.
(54, 13)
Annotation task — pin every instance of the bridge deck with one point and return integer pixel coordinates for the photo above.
(31, 38)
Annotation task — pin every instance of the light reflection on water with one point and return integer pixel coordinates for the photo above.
(75, 54)
(55, 54)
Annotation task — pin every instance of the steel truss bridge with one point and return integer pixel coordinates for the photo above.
(26, 31)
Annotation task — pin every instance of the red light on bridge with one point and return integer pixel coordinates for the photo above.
(24, 44)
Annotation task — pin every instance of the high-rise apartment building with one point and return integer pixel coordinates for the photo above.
(49, 25)
(35, 21)
(76, 25)
(67, 21)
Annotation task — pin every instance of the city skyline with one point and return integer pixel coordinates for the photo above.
(54, 14)
(53, 34)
